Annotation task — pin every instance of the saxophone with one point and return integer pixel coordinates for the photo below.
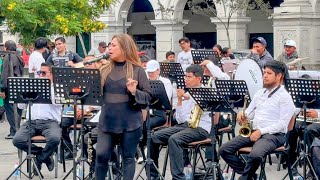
(245, 130)
(90, 148)
(197, 112)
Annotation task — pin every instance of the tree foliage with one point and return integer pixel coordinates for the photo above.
(35, 18)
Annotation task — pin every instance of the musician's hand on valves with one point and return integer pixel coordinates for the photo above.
(241, 118)
(180, 93)
(255, 135)
(312, 113)
(132, 86)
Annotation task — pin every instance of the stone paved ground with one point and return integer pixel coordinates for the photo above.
(8, 157)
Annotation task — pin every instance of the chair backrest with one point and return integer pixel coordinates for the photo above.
(292, 123)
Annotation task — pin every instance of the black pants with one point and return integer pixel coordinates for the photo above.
(105, 145)
(266, 144)
(47, 128)
(155, 121)
(65, 126)
(313, 130)
(94, 134)
(177, 137)
(10, 116)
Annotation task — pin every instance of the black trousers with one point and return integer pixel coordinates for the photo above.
(128, 145)
(266, 144)
(10, 116)
(47, 128)
(313, 130)
(177, 137)
(65, 126)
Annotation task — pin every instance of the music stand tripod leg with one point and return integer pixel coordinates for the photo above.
(30, 157)
(148, 162)
(215, 166)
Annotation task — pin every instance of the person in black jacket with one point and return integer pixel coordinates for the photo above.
(12, 67)
(126, 91)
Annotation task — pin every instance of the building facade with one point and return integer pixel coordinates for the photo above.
(164, 24)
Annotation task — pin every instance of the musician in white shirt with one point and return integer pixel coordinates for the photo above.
(36, 58)
(178, 136)
(313, 131)
(270, 110)
(45, 120)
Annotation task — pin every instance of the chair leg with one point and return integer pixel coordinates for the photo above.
(221, 138)
(165, 162)
(279, 162)
(270, 161)
(62, 158)
(194, 163)
(56, 163)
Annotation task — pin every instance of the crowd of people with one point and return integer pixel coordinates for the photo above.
(123, 116)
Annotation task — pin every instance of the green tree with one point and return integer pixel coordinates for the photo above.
(35, 18)
(230, 9)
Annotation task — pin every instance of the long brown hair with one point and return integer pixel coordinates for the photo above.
(129, 50)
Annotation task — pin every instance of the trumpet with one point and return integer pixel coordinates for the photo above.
(245, 130)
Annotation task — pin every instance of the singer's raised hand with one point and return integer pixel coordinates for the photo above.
(132, 86)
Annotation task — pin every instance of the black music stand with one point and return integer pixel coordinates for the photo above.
(305, 94)
(199, 55)
(180, 81)
(78, 87)
(209, 100)
(170, 70)
(29, 90)
(159, 101)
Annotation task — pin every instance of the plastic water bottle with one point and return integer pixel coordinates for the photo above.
(188, 172)
(297, 178)
(16, 174)
(225, 175)
(230, 173)
(80, 171)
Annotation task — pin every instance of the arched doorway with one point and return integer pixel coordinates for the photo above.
(140, 14)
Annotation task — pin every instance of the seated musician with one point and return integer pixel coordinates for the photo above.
(313, 131)
(178, 136)
(68, 121)
(270, 111)
(45, 119)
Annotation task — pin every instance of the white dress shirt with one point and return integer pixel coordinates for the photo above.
(271, 115)
(183, 114)
(46, 111)
(35, 61)
(216, 73)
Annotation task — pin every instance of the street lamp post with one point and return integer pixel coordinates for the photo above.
(124, 15)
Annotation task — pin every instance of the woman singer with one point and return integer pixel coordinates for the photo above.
(126, 91)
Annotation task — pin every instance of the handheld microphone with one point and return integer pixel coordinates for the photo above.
(104, 56)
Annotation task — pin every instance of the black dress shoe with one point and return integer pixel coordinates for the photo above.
(9, 136)
(50, 163)
(38, 164)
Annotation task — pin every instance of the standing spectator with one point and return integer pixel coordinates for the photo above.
(101, 49)
(151, 52)
(185, 57)
(12, 67)
(259, 52)
(170, 57)
(1, 94)
(49, 49)
(63, 57)
(36, 58)
(290, 53)
(217, 49)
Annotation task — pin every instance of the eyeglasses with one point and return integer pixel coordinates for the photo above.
(42, 73)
